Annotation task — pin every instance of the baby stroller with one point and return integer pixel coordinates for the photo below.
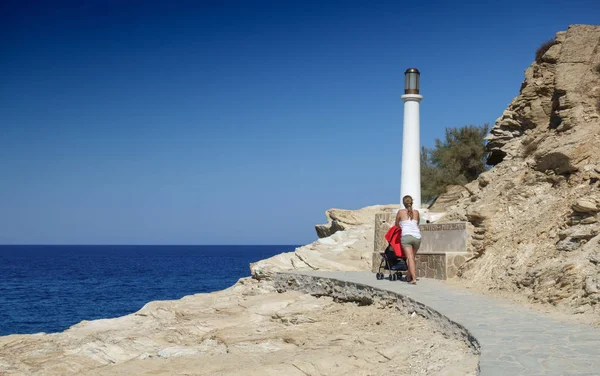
(394, 264)
(392, 259)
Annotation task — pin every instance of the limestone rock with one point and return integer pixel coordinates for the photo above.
(585, 206)
(567, 245)
(589, 220)
(555, 161)
(591, 285)
(584, 233)
(483, 180)
(329, 229)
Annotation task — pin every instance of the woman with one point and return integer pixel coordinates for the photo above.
(408, 220)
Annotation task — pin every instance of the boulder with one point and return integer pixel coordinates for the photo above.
(329, 229)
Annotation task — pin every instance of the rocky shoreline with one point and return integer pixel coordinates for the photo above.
(251, 325)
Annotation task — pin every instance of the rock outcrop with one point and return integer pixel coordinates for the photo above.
(348, 246)
(535, 212)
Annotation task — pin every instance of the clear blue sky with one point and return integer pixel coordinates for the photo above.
(221, 122)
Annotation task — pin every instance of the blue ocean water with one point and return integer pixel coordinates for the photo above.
(49, 288)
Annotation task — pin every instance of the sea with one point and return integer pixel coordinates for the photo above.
(50, 288)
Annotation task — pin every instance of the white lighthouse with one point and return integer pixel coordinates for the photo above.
(410, 183)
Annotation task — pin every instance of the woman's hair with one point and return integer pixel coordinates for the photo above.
(408, 202)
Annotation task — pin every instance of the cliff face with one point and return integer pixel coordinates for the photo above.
(536, 212)
(558, 104)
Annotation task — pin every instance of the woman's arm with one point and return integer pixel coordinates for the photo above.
(397, 223)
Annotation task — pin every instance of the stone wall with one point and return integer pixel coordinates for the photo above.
(431, 265)
(443, 246)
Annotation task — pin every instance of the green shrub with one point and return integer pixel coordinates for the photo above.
(457, 160)
(543, 49)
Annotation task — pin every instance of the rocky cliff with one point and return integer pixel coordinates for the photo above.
(535, 213)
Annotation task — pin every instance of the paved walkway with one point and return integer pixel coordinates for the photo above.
(514, 340)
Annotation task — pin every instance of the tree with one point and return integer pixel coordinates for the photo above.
(457, 160)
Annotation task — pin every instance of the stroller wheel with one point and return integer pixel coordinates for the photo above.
(378, 275)
(394, 277)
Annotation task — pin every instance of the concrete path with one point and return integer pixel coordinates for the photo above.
(514, 340)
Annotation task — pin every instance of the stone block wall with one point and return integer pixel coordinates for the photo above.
(431, 265)
(443, 246)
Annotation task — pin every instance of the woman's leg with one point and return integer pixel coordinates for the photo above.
(411, 276)
(416, 247)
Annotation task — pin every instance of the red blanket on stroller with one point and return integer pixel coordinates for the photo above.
(393, 237)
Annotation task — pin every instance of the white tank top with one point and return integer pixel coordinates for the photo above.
(410, 227)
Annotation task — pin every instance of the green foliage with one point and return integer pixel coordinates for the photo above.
(457, 160)
(543, 49)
